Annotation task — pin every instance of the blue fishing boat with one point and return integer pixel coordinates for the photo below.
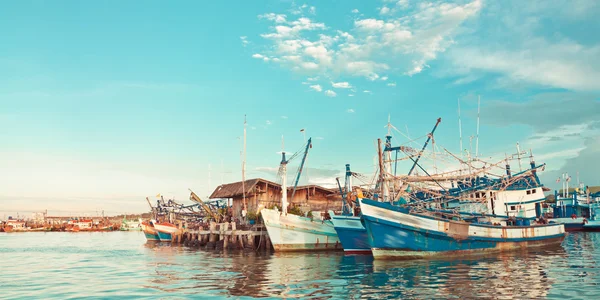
(350, 230)
(448, 224)
(401, 232)
(458, 212)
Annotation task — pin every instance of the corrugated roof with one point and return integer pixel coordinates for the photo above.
(234, 189)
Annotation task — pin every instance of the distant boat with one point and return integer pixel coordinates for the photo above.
(165, 231)
(579, 212)
(130, 225)
(149, 231)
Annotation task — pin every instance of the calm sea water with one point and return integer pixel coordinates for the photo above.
(122, 265)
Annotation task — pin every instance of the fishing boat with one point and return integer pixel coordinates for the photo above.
(130, 225)
(289, 232)
(348, 226)
(149, 231)
(459, 212)
(578, 211)
(400, 232)
(165, 231)
(480, 214)
(76, 225)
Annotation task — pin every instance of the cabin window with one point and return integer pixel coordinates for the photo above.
(528, 192)
(533, 191)
(512, 207)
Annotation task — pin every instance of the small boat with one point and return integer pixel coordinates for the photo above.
(149, 231)
(348, 226)
(579, 212)
(351, 233)
(165, 231)
(132, 225)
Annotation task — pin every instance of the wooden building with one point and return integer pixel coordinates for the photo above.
(261, 193)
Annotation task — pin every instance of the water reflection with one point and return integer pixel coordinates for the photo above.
(60, 265)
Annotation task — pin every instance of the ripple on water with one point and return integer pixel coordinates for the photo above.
(117, 264)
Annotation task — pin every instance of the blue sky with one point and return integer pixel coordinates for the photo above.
(104, 103)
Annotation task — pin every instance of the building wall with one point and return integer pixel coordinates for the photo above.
(266, 195)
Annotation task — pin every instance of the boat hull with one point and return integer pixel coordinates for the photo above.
(577, 225)
(150, 232)
(151, 236)
(395, 233)
(296, 233)
(351, 233)
(165, 231)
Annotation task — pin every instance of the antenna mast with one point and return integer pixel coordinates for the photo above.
(460, 131)
(477, 140)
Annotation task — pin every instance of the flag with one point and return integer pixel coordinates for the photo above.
(302, 130)
(568, 179)
(558, 180)
(158, 195)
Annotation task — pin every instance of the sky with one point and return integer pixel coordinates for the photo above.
(104, 103)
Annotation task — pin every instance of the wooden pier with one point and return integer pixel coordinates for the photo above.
(221, 236)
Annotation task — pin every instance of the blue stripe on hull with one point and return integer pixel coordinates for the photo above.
(164, 237)
(151, 237)
(390, 235)
(384, 236)
(354, 240)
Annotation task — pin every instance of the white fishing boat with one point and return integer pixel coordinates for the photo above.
(290, 232)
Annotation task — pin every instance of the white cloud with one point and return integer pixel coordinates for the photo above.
(350, 110)
(268, 122)
(330, 93)
(284, 117)
(309, 65)
(341, 85)
(244, 40)
(277, 18)
(320, 138)
(313, 78)
(312, 10)
(384, 10)
(384, 78)
(355, 11)
(350, 95)
(391, 84)
(316, 87)
(372, 46)
(367, 91)
(402, 4)
(260, 56)
(566, 64)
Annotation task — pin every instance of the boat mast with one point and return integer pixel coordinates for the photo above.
(519, 157)
(308, 146)
(429, 137)
(284, 202)
(382, 177)
(244, 169)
